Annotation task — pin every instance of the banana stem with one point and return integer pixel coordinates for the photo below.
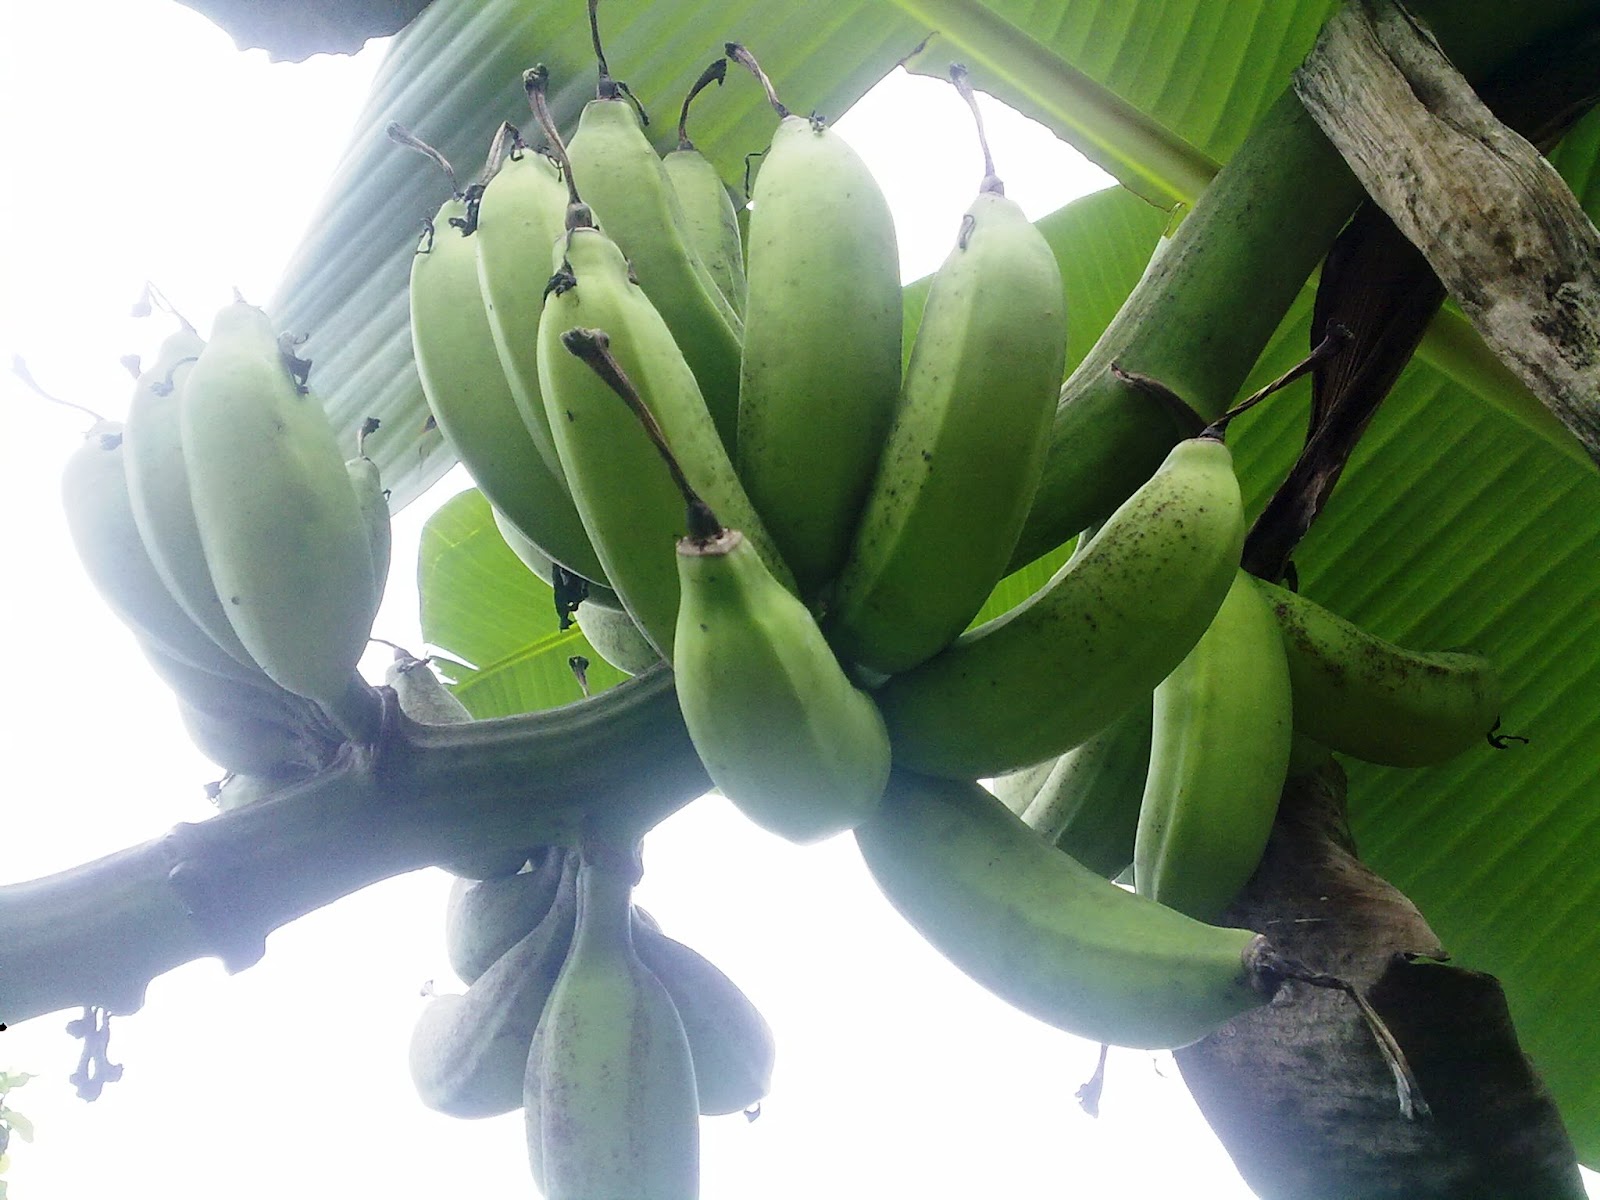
(536, 83)
(745, 59)
(19, 368)
(963, 85)
(593, 347)
(401, 136)
(716, 73)
(1333, 341)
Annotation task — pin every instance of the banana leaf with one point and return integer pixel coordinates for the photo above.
(1463, 519)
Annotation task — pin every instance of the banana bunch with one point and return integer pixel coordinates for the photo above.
(143, 507)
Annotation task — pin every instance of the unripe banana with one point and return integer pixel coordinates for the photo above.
(621, 177)
(782, 731)
(1360, 695)
(1094, 641)
(729, 1040)
(609, 1095)
(158, 488)
(372, 502)
(967, 445)
(520, 215)
(1219, 754)
(616, 638)
(710, 220)
(100, 519)
(1088, 805)
(469, 393)
(1046, 934)
(484, 918)
(623, 489)
(279, 523)
(469, 1052)
(821, 367)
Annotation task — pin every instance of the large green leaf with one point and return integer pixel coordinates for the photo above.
(494, 621)
(1458, 522)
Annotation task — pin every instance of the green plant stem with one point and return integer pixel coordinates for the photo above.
(98, 933)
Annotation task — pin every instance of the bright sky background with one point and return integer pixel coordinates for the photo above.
(137, 143)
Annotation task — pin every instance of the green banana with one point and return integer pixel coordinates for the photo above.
(279, 522)
(1046, 934)
(630, 505)
(964, 453)
(468, 392)
(616, 638)
(1363, 696)
(1090, 644)
(519, 217)
(729, 1040)
(484, 918)
(782, 731)
(158, 488)
(609, 1099)
(105, 533)
(372, 502)
(821, 367)
(1088, 806)
(622, 178)
(468, 1052)
(1219, 755)
(710, 220)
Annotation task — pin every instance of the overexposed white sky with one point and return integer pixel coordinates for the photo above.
(136, 143)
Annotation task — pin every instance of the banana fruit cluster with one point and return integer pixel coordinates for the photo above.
(612, 1037)
(224, 527)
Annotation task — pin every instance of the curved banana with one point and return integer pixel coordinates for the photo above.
(158, 487)
(1046, 934)
(624, 491)
(729, 1040)
(964, 453)
(468, 391)
(782, 731)
(1219, 754)
(279, 522)
(520, 214)
(609, 1096)
(469, 1052)
(710, 220)
(372, 502)
(1088, 806)
(105, 533)
(1371, 699)
(616, 638)
(622, 178)
(484, 918)
(1094, 641)
(821, 367)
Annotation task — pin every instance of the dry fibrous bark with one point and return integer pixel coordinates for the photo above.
(1298, 1090)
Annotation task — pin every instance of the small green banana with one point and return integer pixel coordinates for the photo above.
(1046, 934)
(1090, 644)
(623, 489)
(1219, 754)
(609, 1099)
(616, 638)
(105, 533)
(782, 731)
(158, 487)
(468, 391)
(620, 175)
(821, 367)
(372, 502)
(965, 451)
(729, 1040)
(710, 220)
(484, 918)
(1373, 700)
(469, 1052)
(279, 522)
(1088, 806)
